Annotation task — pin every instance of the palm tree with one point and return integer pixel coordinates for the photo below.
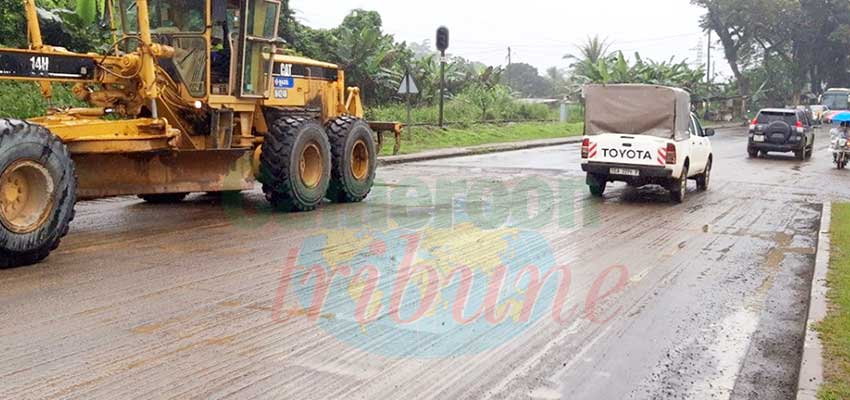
(589, 54)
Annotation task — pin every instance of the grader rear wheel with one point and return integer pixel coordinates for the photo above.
(354, 160)
(295, 165)
(37, 193)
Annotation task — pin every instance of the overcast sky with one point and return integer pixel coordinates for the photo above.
(539, 32)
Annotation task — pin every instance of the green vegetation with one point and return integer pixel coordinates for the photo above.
(835, 330)
(462, 112)
(781, 51)
(23, 100)
(422, 139)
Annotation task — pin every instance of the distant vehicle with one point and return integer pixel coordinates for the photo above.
(782, 130)
(814, 112)
(836, 101)
(818, 113)
(644, 135)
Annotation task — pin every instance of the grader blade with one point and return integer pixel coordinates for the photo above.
(105, 175)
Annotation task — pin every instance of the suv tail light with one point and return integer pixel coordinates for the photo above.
(755, 121)
(585, 148)
(671, 153)
(799, 124)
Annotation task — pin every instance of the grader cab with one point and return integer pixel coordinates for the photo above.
(196, 96)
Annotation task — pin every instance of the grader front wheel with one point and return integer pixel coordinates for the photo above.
(37, 193)
(295, 164)
(354, 160)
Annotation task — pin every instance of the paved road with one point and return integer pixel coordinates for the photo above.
(208, 299)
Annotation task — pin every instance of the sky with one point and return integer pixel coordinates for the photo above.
(539, 32)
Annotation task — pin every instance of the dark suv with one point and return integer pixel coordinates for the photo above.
(782, 131)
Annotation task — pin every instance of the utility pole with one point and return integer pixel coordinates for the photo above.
(708, 63)
(508, 70)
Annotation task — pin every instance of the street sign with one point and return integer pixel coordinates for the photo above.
(408, 86)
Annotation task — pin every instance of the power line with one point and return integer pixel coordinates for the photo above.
(561, 43)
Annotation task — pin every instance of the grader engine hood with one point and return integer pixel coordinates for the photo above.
(314, 85)
(300, 75)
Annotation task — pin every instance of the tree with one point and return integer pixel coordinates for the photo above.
(367, 55)
(526, 80)
(730, 20)
(783, 47)
(486, 99)
(616, 69)
(557, 77)
(589, 54)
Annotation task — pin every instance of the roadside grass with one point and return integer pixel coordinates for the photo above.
(457, 111)
(835, 329)
(422, 139)
(22, 100)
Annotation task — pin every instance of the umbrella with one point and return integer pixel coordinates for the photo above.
(841, 118)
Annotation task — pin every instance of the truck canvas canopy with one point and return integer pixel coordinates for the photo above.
(637, 110)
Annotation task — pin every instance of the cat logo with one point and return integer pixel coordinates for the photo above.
(285, 70)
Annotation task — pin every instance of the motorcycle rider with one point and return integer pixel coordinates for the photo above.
(841, 132)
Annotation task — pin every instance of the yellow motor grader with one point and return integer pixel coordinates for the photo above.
(196, 96)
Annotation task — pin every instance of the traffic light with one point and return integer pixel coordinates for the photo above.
(442, 39)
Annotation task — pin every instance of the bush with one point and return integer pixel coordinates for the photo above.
(462, 112)
(22, 100)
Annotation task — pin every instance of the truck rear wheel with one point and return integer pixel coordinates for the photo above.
(704, 179)
(354, 160)
(679, 187)
(597, 184)
(295, 164)
(38, 191)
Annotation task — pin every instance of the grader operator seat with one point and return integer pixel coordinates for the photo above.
(225, 36)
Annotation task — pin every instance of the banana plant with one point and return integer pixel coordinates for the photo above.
(89, 10)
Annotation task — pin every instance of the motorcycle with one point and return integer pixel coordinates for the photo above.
(840, 149)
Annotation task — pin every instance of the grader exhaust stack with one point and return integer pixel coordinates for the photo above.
(197, 100)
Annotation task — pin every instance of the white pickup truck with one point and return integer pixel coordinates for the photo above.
(644, 135)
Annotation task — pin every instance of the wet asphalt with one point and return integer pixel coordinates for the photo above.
(707, 299)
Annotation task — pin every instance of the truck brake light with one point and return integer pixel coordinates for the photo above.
(585, 148)
(671, 153)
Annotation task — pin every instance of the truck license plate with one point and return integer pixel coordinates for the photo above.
(624, 172)
(758, 138)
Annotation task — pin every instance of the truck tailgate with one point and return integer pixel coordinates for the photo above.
(628, 149)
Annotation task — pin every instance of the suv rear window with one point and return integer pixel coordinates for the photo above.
(769, 117)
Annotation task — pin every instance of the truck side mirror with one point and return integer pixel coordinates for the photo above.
(708, 132)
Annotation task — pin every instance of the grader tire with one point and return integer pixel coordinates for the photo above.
(166, 198)
(295, 165)
(38, 189)
(354, 160)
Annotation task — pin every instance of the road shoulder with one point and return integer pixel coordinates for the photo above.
(440, 154)
(811, 368)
